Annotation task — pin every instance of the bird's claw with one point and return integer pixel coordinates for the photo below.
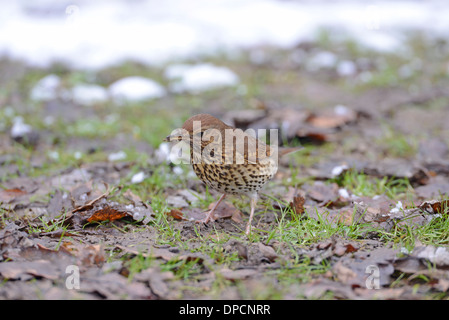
(205, 221)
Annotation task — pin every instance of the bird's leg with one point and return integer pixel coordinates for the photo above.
(253, 203)
(209, 214)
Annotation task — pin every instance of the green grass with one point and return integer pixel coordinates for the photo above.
(395, 143)
(435, 232)
(277, 82)
(361, 184)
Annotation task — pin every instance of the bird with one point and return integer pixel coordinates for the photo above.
(228, 160)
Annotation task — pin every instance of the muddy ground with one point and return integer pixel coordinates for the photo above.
(359, 213)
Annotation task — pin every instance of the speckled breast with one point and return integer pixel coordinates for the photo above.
(235, 178)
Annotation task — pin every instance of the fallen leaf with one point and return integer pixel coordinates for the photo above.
(106, 214)
(298, 204)
(86, 255)
(333, 119)
(433, 190)
(226, 210)
(435, 206)
(267, 251)
(89, 205)
(56, 204)
(322, 192)
(155, 279)
(442, 285)
(343, 273)
(238, 274)
(191, 196)
(242, 251)
(29, 269)
(113, 286)
(8, 195)
(177, 202)
(341, 249)
(128, 194)
(176, 214)
(438, 256)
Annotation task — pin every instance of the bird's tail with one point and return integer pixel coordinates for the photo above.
(282, 151)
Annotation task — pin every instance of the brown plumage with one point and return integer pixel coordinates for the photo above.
(227, 159)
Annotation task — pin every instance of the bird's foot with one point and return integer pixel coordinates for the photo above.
(205, 220)
(248, 229)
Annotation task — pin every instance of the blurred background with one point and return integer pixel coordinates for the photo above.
(87, 81)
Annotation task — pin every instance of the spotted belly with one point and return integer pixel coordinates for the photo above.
(235, 178)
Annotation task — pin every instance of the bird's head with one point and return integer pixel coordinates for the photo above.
(197, 126)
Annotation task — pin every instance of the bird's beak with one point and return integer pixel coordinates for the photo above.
(176, 135)
(172, 138)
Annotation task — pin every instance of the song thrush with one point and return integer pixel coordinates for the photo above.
(227, 159)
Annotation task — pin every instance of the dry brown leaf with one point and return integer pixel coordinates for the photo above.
(435, 206)
(8, 195)
(332, 120)
(176, 214)
(29, 269)
(226, 210)
(106, 214)
(267, 251)
(238, 274)
(298, 204)
(322, 192)
(86, 255)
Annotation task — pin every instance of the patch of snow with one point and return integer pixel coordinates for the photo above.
(346, 68)
(336, 171)
(200, 77)
(117, 156)
(398, 208)
(344, 193)
(46, 88)
(77, 155)
(341, 110)
(53, 155)
(20, 128)
(322, 60)
(88, 94)
(138, 177)
(96, 34)
(178, 170)
(135, 89)
(163, 152)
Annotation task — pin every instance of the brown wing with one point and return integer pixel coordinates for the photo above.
(242, 148)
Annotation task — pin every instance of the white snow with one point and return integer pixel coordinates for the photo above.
(178, 170)
(346, 68)
(20, 128)
(397, 208)
(342, 110)
(343, 193)
(336, 171)
(46, 88)
(54, 155)
(88, 94)
(200, 77)
(117, 156)
(322, 60)
(163, 152)
(95, 34)
(135, 89)
(138, 177)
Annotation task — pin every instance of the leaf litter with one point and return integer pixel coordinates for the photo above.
(87, 216)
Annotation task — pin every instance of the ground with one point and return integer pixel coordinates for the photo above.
(359, 213)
